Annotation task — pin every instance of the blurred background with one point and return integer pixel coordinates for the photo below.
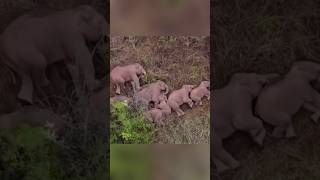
(160, 17)
(159, 162)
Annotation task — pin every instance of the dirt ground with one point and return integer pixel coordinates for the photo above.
(267, 36)
(176, 61)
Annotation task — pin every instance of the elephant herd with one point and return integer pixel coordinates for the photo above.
(157, 91)
(250, 99)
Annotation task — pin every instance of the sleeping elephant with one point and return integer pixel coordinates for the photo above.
(179, 97)
(152, 92)
(121, 74)
(278, 103)
(232, 111)
(32, 42)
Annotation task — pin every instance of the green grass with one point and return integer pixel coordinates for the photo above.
(129, 126)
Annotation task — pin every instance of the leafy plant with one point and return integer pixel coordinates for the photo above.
(129, 126)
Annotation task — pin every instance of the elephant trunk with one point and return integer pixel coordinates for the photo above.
(167, 89)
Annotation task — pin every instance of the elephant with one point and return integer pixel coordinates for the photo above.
(152, 92)
(232, 111)
(32, 42)
(279, 102)
(199, 92)
(121, 74)
(159, 113)
(179, 97)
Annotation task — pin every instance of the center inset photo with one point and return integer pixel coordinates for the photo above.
(159, 90)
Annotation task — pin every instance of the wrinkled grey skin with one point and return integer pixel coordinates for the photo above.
(129, 73)
(179, 97)
(158, 114)
(199, 92)
(30, 43)
(232, 111)
(152, 92)
(278, 103)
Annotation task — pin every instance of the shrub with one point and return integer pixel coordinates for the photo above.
(129, 126)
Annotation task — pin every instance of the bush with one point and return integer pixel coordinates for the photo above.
(36, 154)
(129, 126)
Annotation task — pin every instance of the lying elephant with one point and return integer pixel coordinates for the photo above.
(159, 113)
(199, 92)
(121, 74)
(279, 102)
(152, 92)
(232, 111)
(34, 117)
(31, 42)
(179, 97)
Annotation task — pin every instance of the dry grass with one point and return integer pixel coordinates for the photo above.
(176, 61)
(268, 36)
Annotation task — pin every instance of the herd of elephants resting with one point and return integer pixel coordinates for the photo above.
(250, 99)
(39, 39)
(156, 93)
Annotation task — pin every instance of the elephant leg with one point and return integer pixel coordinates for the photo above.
(290, 132)
(180, 112)
(312, 108)
(136, 82)
(221, 167)
(133, 87)
(75, 76)
(279, 131)
(252, 125)
(26, 89)
(225, 160)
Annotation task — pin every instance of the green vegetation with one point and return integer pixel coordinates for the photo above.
(36, 154)
(129, 126)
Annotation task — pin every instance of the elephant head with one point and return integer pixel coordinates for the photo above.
(163, 86)
(188, 88)
(163, 98)
(252, 82)
(139, 69)
(91, 23)
(307, 70)
(205, 84)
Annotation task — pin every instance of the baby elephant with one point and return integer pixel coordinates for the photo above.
(232, 111)
(152, 92)
(159, 113)
(199, 92)
(179, 97)
(279, 102)
(121, 74)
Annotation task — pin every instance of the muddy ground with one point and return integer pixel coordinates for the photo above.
(176, 61)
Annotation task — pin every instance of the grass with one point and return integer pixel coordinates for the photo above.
(267, 36)
(176, 61)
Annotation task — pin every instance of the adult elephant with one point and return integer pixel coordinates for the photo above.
(152, 92)
(32, 42)
(278, 103)
(232, 111)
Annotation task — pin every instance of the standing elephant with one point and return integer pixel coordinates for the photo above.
(152, 92)
(159, 113)
(121, 74)
(278, 103)
(199, 92)
(31, 42)
(179, 97)
(232, 111)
